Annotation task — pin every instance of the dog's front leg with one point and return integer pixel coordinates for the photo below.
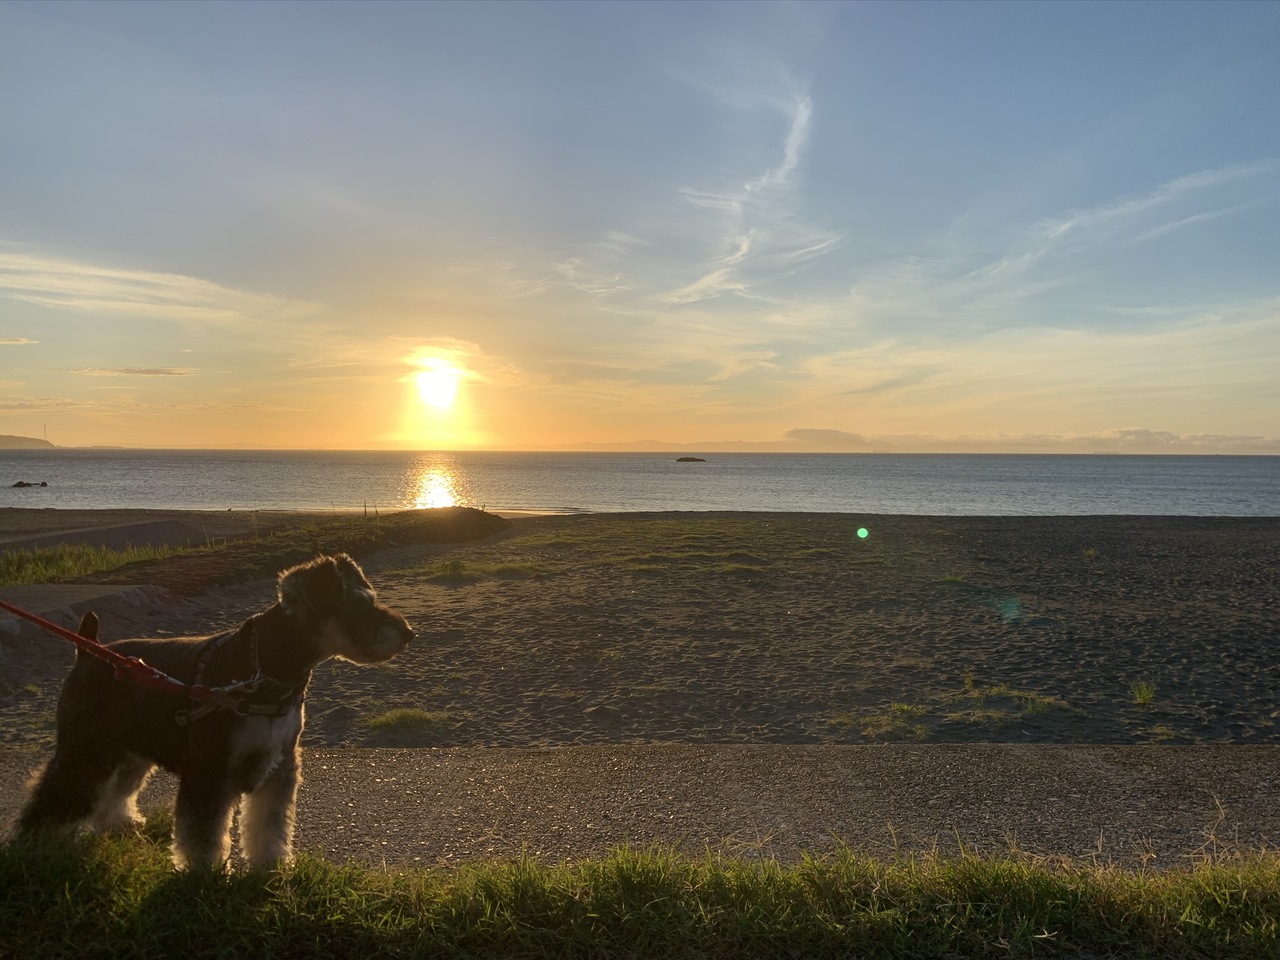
(267, 813)
(202, 817)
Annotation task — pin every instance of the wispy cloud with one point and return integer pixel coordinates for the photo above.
(134, 371)
(756, 233)
(15, 341)
(792, 148)
(75, 286)
(1124, 220)
(132, 405)
(1061, 270)
(580, 273)
(735, 236)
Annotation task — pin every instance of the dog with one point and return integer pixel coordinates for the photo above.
(240, 749)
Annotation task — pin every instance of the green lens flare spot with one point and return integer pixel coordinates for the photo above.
(863, 533)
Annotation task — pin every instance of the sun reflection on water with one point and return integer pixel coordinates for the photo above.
(436, 488)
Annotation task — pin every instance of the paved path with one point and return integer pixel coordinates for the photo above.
(1135, 803)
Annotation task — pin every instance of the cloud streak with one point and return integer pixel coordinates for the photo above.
(70, 285)
(1121, 220)
(758, 235)
(134, 371)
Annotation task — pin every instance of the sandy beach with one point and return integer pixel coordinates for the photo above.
(756, 632)
(784, 628)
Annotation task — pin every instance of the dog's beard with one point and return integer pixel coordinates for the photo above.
(383, 644)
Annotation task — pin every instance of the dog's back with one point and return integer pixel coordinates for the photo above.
(96, 706)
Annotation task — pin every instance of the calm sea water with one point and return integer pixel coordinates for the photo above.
(570, 482)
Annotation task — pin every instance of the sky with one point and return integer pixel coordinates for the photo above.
(1006, 227)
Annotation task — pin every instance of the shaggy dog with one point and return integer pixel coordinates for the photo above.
(112, 732)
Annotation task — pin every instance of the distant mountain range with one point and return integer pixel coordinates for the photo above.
(8, 442)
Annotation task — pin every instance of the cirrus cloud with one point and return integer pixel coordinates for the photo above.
(65, 284)
(134, 371)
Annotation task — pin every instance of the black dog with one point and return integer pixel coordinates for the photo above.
(113, 732)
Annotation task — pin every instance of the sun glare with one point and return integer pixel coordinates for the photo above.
(439, 402)
(437, 386)
(435, 488)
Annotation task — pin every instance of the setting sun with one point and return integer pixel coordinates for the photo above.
(438, 385)
(438, 409)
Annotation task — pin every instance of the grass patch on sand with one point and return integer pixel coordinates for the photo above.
(686, 539)
(457, 570)
(897, 722)
(731, 562)
(1142, 692)
(409, 726)
(69, 561)
(996, 705)
(195, 571)
(756, 549)
(119, 896)
(987, 707)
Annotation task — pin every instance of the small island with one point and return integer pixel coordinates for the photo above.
(690, 460)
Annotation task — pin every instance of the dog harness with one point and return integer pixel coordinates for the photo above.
(259, 696)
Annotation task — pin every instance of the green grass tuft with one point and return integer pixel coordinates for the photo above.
(1142, 692)
(409, 726)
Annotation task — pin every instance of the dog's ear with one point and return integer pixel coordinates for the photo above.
(88, 626)
(314, 586)
(323, 585)
(353, 579)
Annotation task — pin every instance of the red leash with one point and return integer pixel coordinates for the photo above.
(130, 668)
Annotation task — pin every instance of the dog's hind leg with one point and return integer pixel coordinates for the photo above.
(267, 814)
(117, 807)
(66, 792)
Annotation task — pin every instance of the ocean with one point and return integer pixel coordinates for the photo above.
(922, 484)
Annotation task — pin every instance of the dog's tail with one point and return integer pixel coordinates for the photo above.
(88, 629)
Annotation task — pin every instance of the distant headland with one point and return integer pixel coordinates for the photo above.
(8, 442)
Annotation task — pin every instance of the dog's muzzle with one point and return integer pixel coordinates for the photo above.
(390, 639)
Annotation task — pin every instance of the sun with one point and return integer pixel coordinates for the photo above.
(438, 385)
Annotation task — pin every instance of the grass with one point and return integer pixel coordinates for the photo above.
(893, 723)
(69, 561)
(1142, 692)
(986, 706)
(191, 571)
(409, 726)
(455, 570)
(118, 896)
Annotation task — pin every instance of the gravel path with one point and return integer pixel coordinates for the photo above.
(1136, 805)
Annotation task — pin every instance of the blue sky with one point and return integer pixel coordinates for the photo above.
(1043, 227)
